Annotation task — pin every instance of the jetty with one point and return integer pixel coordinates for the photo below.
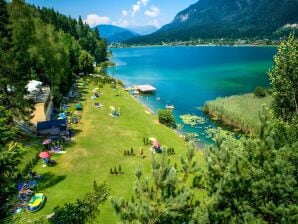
(145, 89)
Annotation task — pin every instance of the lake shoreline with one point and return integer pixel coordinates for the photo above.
(182, 134)
(197, 45)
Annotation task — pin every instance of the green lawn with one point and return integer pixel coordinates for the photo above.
(99, 146)
(240, 111)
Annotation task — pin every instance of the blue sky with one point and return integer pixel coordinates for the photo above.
(125, 13)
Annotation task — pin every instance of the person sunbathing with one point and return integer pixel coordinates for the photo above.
(25, 194)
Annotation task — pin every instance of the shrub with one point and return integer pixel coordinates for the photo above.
(260, 92)
(166, 117)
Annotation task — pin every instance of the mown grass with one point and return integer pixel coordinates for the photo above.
(98, 146)
(241, 112)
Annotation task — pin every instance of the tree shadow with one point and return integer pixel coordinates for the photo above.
(48, 180)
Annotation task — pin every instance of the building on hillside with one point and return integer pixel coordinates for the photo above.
(41, 95)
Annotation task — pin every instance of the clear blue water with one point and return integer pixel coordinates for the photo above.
(189, 76)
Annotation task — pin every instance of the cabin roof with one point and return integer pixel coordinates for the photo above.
(145, 88)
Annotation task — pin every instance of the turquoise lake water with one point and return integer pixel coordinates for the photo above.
(189, 76)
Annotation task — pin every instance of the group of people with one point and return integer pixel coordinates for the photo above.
(26, 189)
(56, 148)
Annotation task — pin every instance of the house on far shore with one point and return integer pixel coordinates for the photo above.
(41, 95)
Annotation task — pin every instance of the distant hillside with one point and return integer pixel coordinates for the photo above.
(143, 30)
(226, 19)
(115, 34)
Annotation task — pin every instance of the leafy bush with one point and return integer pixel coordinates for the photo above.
(260, 92)
(166, 117)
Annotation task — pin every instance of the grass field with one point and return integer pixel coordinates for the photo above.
(241, 112)
(98, 146)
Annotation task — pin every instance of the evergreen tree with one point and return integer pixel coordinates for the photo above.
(162, 201)
(9, 85)
(22, 27)
(251, 180)
(10, 157)
(7, 130)
(82, 211)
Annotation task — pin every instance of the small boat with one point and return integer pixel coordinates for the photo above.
(36, 202)
(170, 107)
(157, 98)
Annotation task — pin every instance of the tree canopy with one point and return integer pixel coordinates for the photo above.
(284, 80)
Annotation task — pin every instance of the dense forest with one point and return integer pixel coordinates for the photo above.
(40, 44)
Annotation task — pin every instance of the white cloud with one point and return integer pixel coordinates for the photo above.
(135, 8)
(144, 2)
(124, 13)
(94, 20)
(153, 12)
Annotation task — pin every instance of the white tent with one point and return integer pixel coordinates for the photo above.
(33, 85)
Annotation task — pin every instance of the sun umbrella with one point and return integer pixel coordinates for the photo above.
(44, 154)
(64, 107)
(151, 139)
(61, 116)
(47, 141)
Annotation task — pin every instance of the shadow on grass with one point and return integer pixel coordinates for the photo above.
(76, 131)
(48, 180)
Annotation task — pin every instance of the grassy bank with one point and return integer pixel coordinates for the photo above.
(241, 112)
(97, 147)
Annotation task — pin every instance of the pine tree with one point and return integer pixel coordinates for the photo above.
(252, 180)
(160, 202)
(83, 210)
(10, 157)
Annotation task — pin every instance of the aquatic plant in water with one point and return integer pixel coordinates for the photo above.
(192, 120)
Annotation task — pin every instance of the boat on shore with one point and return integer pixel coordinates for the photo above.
(170, 107)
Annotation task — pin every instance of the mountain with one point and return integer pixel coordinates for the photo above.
(115, 34)
(226, 19)
(143, 30)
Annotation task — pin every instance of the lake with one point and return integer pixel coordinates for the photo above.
(189, 76)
